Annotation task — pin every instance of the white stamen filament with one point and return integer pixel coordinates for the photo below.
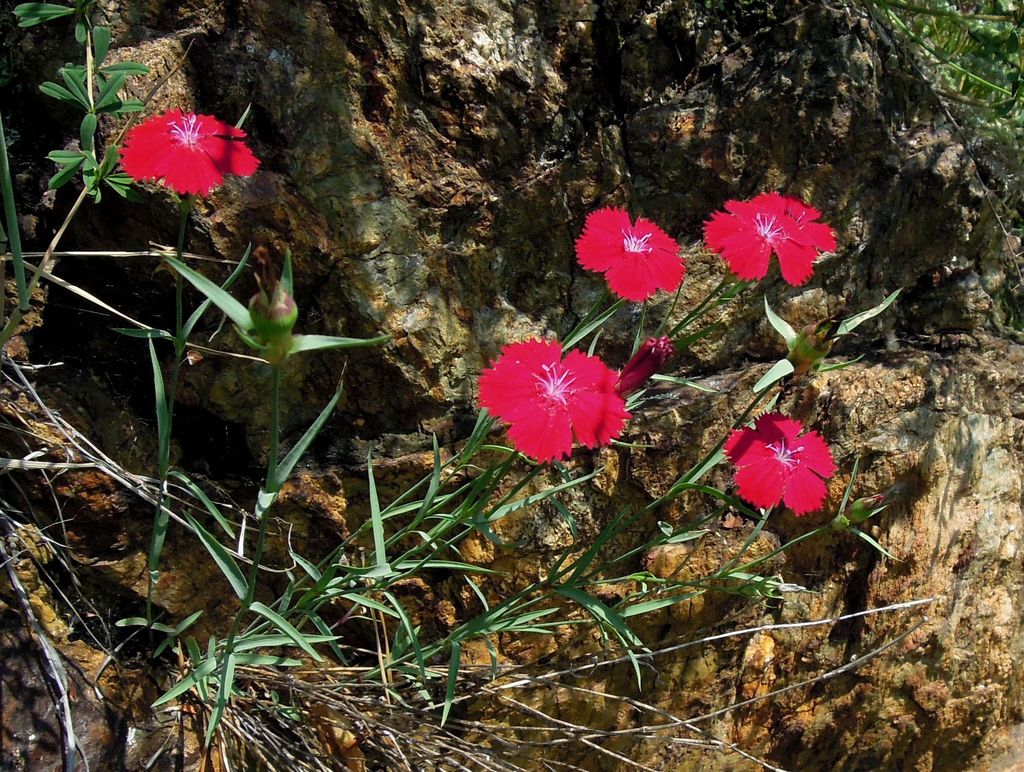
(186, 131)
(767, 227)
(785, 455)
(555, 385)
(631, 243)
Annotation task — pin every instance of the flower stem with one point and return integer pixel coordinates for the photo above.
(160, 518)
(725, 290)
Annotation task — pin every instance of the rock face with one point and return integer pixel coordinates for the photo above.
(429, 166)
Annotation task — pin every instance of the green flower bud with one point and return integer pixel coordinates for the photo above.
(809, 348)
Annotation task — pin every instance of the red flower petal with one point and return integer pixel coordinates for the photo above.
(546, 400)
(762, 484)
(188, 153)
(637, 259)
(805, 491)
(746, 253)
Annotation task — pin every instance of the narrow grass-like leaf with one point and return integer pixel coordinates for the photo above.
(608, 618)
(453, 678)
(202, 671)
(839, 365)
(285, 627)
(163, 416)
(874, 543)
(212, 508)
(781, 325)
(234, 310)
(196, 315)
(849, 485)
(775, 373)
(222, 558)
(272, 641)
(660, 603)
(588, 326)
(379, 548)
(11, 218)
(141, 622)
(684, 382)
(848, 325)
(173, 635)
(266, 659)
(227, 683)
(301, 343)
(411, 634)
(361, 600)
(284, 469)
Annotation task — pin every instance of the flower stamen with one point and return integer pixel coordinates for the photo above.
(767, 227)
(185, 131)
(636, 245)
(555, 386)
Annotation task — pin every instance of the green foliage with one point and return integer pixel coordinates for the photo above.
(973, 51)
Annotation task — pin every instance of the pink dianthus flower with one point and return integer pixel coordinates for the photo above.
(637, 259)
(188, 153)
(775, 462)
(747, 233)
(547, 400)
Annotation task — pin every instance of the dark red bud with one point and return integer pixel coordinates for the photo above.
(645, 363)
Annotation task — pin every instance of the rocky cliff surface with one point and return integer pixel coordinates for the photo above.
(430, 164)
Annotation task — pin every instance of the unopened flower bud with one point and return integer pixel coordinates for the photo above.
(809, 347)
(861, 509)
(644, 363)
(273, 317)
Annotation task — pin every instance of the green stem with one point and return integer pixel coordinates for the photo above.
(701, 307)
(13, 231)
(160, 518)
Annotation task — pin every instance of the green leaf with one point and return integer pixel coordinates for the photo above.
(174, 634)
(285, 627)
(212, 508)
(588, 326)
(848, 325)
(284, 469)
(65, 156)
(74, 79)
(128, 68)
(100, 44)
(660, 603)
(227, 682)
(66, 174)
(108, 93)
(59, 92)
(368, 602)
(266, 659)
(607, 618)
(163, 414)
(129, 106)
(87, 132)
(781, 325)
(134, 332)
(411, 634)
(271, 641)
(377, 524)
(776, 373)
(202, 671)
(453, 678)
(31, 14)
(234, 310)
(302, 343)
(874, 543)
(684, 382)
(201, 309)
(222, 558)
